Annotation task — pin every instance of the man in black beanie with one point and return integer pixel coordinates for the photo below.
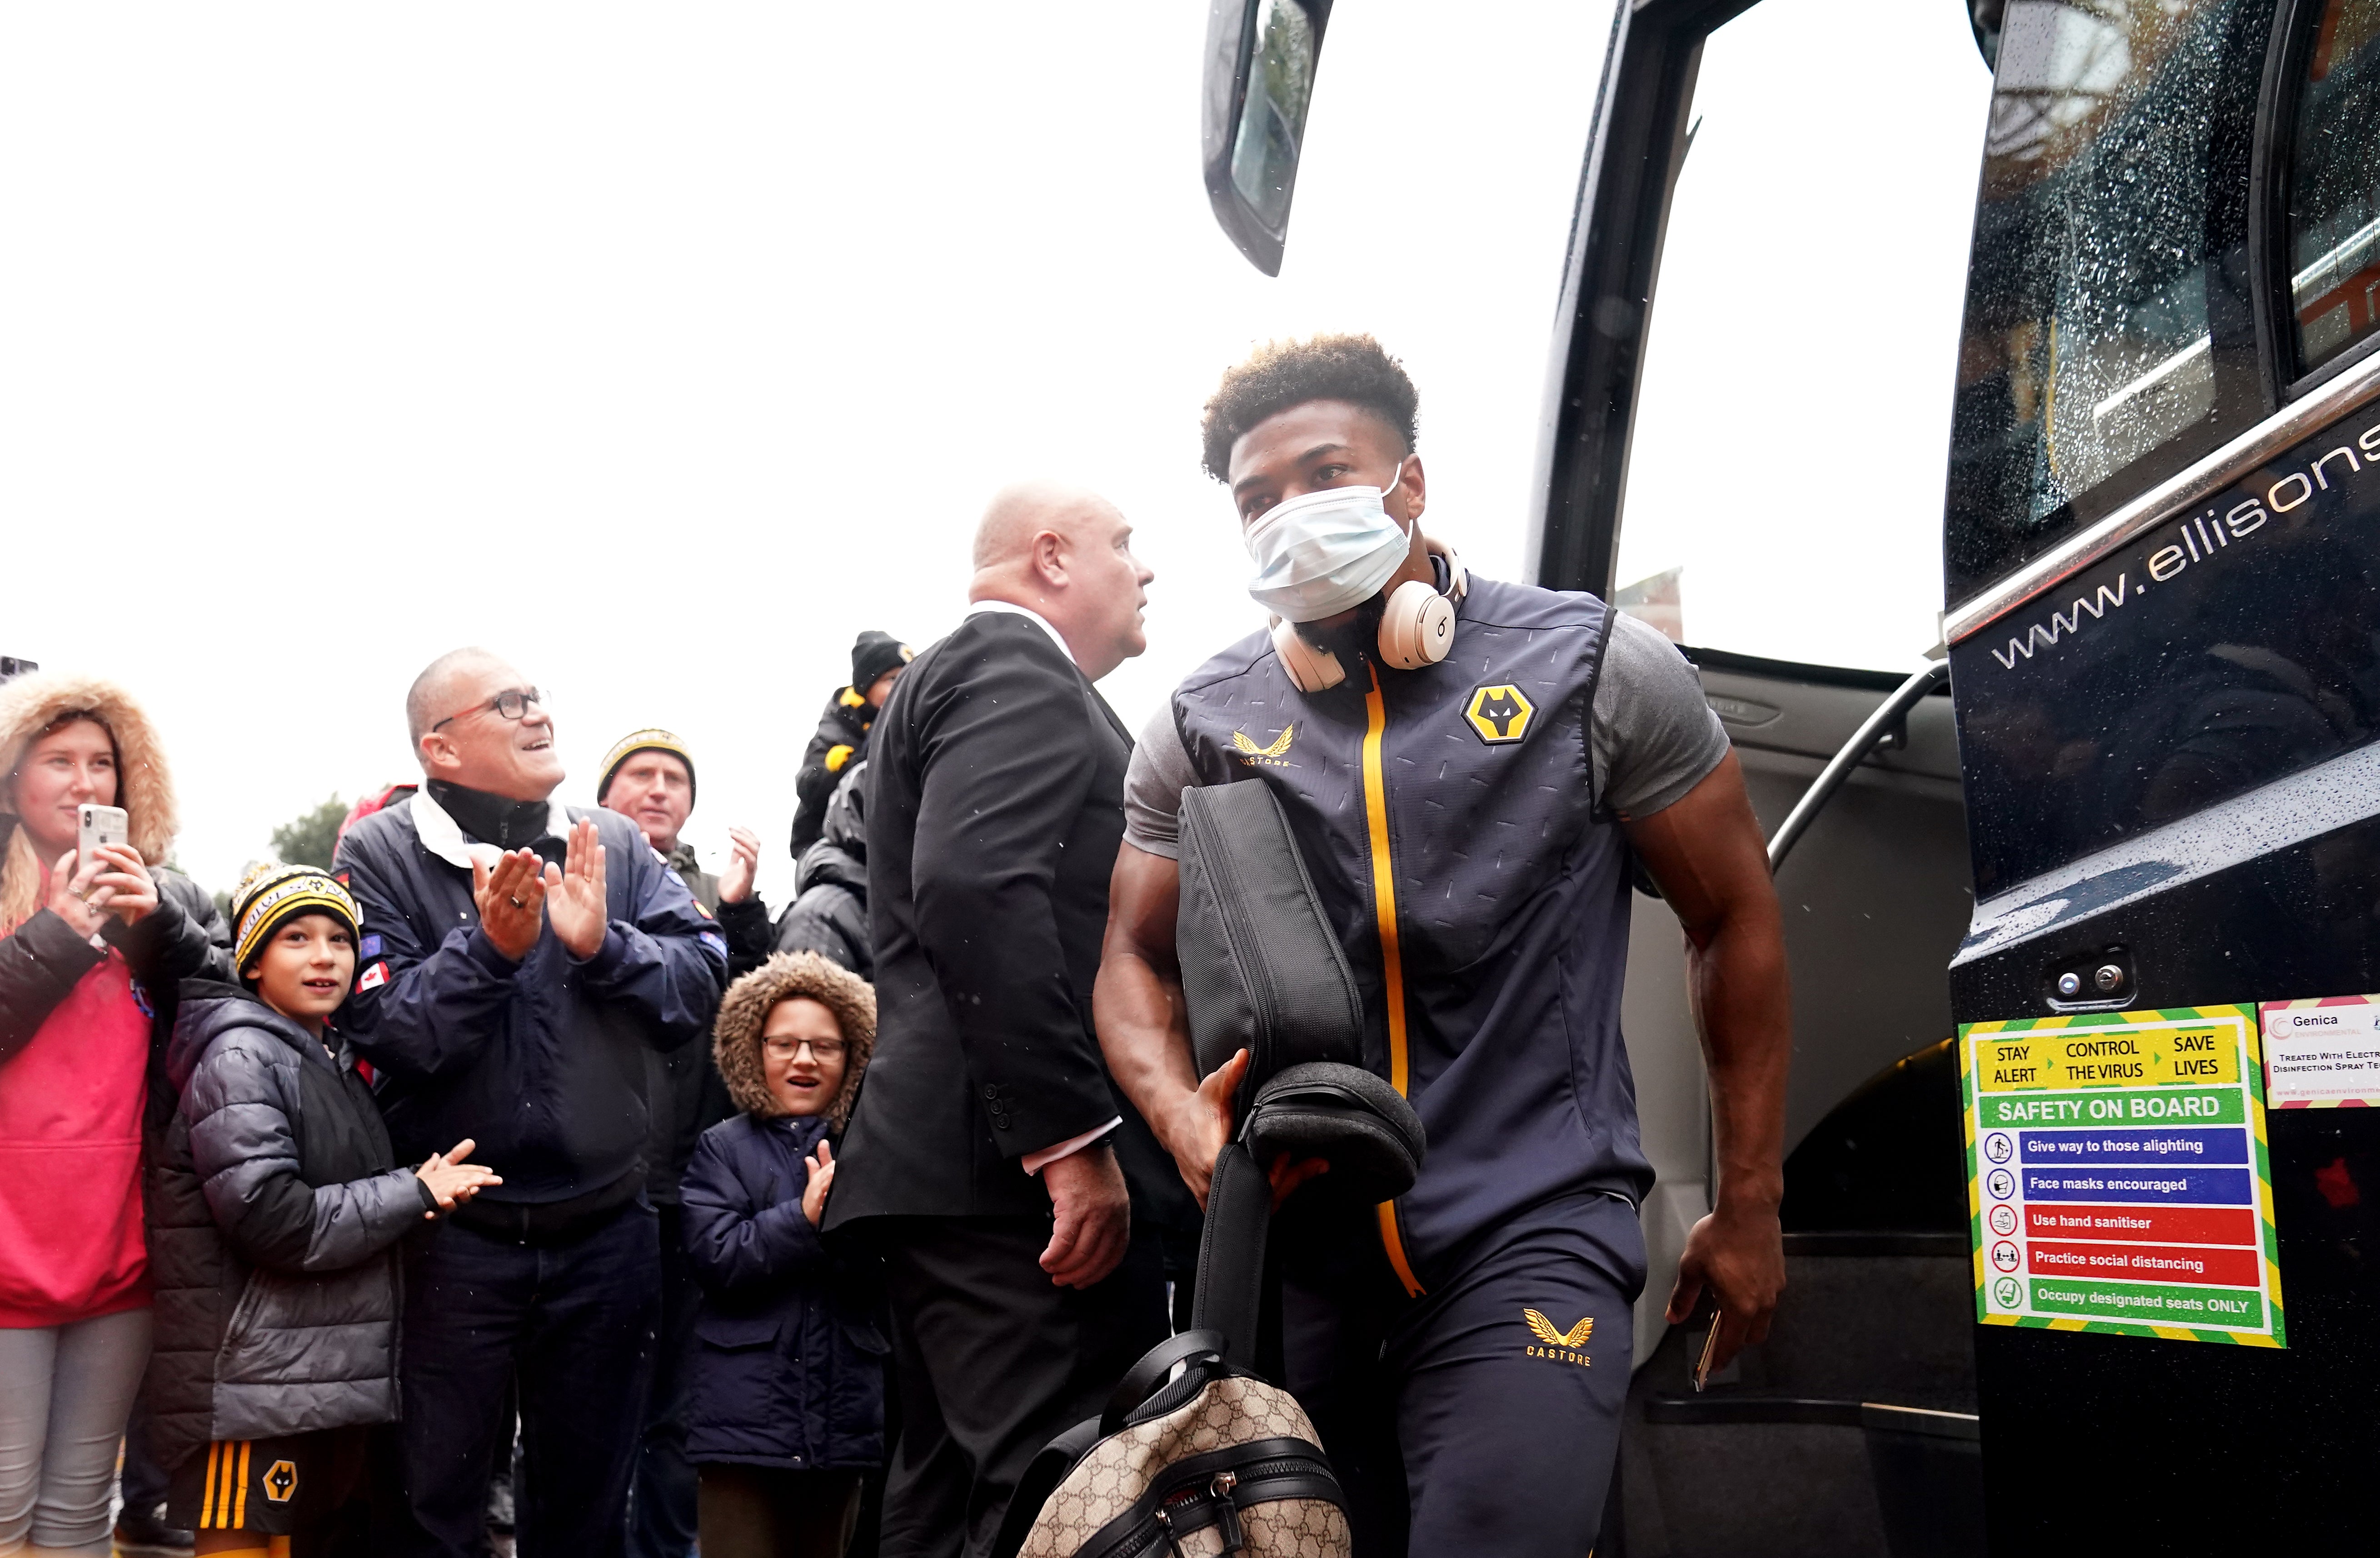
(877, 661)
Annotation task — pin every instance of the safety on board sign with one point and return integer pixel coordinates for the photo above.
(2117, 1178)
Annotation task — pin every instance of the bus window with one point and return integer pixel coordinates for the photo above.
(1785, 454)
(1273, 120)
(2094, 296)
(2333, 210)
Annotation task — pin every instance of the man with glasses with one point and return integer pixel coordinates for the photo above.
(519, 960)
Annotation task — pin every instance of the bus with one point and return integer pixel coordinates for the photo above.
(2075, 414)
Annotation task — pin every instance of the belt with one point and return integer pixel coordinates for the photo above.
(550, 1222)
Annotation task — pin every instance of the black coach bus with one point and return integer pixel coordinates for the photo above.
(2134, 773)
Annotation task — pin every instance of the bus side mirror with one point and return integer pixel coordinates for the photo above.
(1261, 60)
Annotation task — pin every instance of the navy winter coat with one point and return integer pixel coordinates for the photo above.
(787, 1368)
(540, 1061)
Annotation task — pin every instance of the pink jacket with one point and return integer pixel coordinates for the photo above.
(71, 1245)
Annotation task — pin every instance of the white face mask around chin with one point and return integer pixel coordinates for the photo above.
(1319, 553)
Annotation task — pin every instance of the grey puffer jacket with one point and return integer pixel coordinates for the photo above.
(275, 1207)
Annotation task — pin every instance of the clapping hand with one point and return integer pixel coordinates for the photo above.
(743, 866)
(451, 1180)
(574, 894)
(511, 901)
(821, 1167)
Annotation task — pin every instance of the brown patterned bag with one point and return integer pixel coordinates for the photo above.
(1216, 1463)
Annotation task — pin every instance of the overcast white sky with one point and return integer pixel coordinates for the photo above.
(664, 349)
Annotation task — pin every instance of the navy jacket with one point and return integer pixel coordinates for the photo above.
(787, 1368)
(540, 1061)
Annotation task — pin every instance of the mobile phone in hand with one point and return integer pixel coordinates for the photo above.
(99, 826)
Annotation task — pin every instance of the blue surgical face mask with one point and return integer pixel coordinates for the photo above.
(1320, 553)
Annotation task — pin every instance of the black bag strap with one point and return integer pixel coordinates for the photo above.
(1230, 1295)
(1040, 1480)
(1140, 1381)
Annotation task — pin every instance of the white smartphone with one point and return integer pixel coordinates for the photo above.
(100, 825)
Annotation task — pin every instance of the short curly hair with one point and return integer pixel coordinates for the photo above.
(1281, 374)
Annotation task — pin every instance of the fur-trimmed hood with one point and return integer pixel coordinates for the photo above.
(144, 786)
(735, 1037)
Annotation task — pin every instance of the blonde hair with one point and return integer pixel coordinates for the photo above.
(20, 880)
(20, 869)
(32, 707)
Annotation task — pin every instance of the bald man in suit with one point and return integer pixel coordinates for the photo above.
(990, 1159)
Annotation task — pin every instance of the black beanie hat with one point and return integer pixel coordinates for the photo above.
(872, 655)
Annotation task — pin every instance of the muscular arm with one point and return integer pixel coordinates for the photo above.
(1705, 854)
(1136, 1005)
(1145, 1028)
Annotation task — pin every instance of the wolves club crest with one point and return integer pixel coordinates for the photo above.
(1498, 713)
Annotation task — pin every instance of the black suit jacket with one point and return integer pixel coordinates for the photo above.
(995, 807)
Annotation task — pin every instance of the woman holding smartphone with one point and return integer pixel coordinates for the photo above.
(93, 943)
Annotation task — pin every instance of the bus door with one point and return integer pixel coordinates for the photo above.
(2161, 547)
(1751, 372)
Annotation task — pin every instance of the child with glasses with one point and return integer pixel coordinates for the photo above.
(785, 1405)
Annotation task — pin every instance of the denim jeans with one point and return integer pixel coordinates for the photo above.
(572, 1322)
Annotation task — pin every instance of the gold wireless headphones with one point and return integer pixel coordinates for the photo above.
(1416, 630)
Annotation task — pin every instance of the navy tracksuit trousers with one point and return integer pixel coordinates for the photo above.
(1455, 1425)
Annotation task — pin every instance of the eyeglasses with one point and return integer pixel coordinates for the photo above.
(511, 705)
(823, 1051)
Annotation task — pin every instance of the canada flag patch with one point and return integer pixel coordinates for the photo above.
(374, 977)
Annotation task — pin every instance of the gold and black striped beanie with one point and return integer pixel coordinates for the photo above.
(650, 739)
(272, 895)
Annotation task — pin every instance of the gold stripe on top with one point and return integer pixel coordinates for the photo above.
(240, 1510)
(207, 1500)
(1392, 973)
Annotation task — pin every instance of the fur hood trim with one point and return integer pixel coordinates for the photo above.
(735, 1037)
(144, 786)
